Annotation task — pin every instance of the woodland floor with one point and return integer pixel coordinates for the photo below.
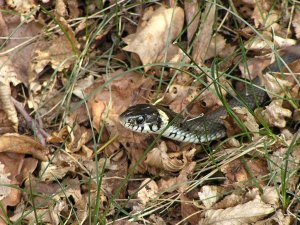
(68, 69)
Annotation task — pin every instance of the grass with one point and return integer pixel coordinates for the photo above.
(207, 168)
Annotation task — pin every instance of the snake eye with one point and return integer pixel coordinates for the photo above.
(140, 119)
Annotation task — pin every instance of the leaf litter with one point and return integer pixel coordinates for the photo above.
(68, 70)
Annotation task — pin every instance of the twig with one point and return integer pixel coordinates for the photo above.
(40, 133)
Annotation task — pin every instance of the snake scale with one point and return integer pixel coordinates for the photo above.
(146, 118)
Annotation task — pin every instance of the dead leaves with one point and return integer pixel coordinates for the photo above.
(156, 31)
(75, 77)
(158, 158)
(22, 145)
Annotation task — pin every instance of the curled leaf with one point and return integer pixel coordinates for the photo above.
(23, 145)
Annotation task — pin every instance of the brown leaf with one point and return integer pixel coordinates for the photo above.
(296, 22)
(189, 211)
(275, 114)
(192, 17)
(247, 120)
(22, 6)
(246, 213)
(253, 67)
(236, 170)
(148, 191)
(57, 52)
(209, 195)
(203, 41)
(278, 159)
(151, 40)
(16, 169)
(8, 105)
(159, 158)
(22, 145)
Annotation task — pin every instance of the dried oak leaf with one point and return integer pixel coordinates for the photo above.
(296, 22)
(117, 171)
(277, 218)
(216, 46)
(253, 67)
(22, 6)
(192, 17)
(22, 145)
(57, 52)
(73, 135)
(278, 161)
(12, 69)
(209, 195)
(148, 191)
(264, 15)
(268, 39)
(156, 34)
(179, 97)
(189, 211)
(275, 114)
(158, 158)
(246, 213)
(235, 171)
(17, 168)
(180, 183)
(206, 27)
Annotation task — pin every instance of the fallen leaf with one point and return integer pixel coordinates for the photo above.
(162, 28)
(189, 211)
(147, 191)
(22, 145)
(192, 16)
(278, 159)
(209, 195)
(206, 27)
(160, 159)
(246, 213)
(275, 115)
(296, 22)
(22, 6)
(236, 171)
(216, 46)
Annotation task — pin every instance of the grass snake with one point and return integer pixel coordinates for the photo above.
(146, 118)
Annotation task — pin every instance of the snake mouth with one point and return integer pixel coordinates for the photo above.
(124, 121)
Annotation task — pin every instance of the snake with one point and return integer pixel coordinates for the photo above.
(147, 118)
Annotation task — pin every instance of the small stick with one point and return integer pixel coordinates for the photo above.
(40, 133)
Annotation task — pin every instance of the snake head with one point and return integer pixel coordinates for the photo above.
(144, 118)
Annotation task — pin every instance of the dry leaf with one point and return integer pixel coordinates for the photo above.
(275, 114)
(151, 40)
(189, 210)
(246, 213)
(17, 169)
(216, 46)
(22, 6)
(253, 67)
(278, 218)
(148, 191)
(192, 16)
(159, 158)
(296, 22)
(235, 171)
(8, 105)
(22, 145)
(278, 159)
(57, 52)
(203, 41)
(209, 195)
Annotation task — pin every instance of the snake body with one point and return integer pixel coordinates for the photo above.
(146, 118)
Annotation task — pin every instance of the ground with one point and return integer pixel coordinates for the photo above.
(70, 68)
